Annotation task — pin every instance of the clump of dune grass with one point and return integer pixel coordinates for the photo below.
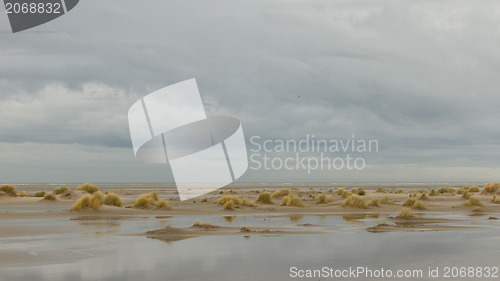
(399, 191)
(375, 202)
(340, 191)
(381, 190)
(495, 199)
(154, 195)
(265, 197)
(415, 204)
(23, 194)
(433, 193)
(442, 190)
(82, 204)
(405, 213)
(418, 205)
(323, 199)
(361, 192)
(281, 192)
(113, 199)
(96, 200)
(292, 200)
(229, 198)
(60, 190)
(88, 187)
(424, 197)
(385, 200)
(88, 201)
(355, 202)
(39, 194)
(466, 195)
(409, 202)
(229, 205)
(247, 202)
(491, 187)
(346, 193)
(50, 197)
(200, 224)
(473, 188)
(145, 200)
(473, 201)
(9, 189)
(461, 191)
(162, 204)
(204, 199)
(477, 209)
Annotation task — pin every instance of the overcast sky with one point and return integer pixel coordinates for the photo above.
(421, 77)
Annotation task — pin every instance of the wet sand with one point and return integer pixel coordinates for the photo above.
(41, 237)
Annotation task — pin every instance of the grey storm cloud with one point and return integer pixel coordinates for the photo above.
(421, 77)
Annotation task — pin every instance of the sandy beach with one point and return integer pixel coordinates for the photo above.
(40, 233)
(442, 203)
